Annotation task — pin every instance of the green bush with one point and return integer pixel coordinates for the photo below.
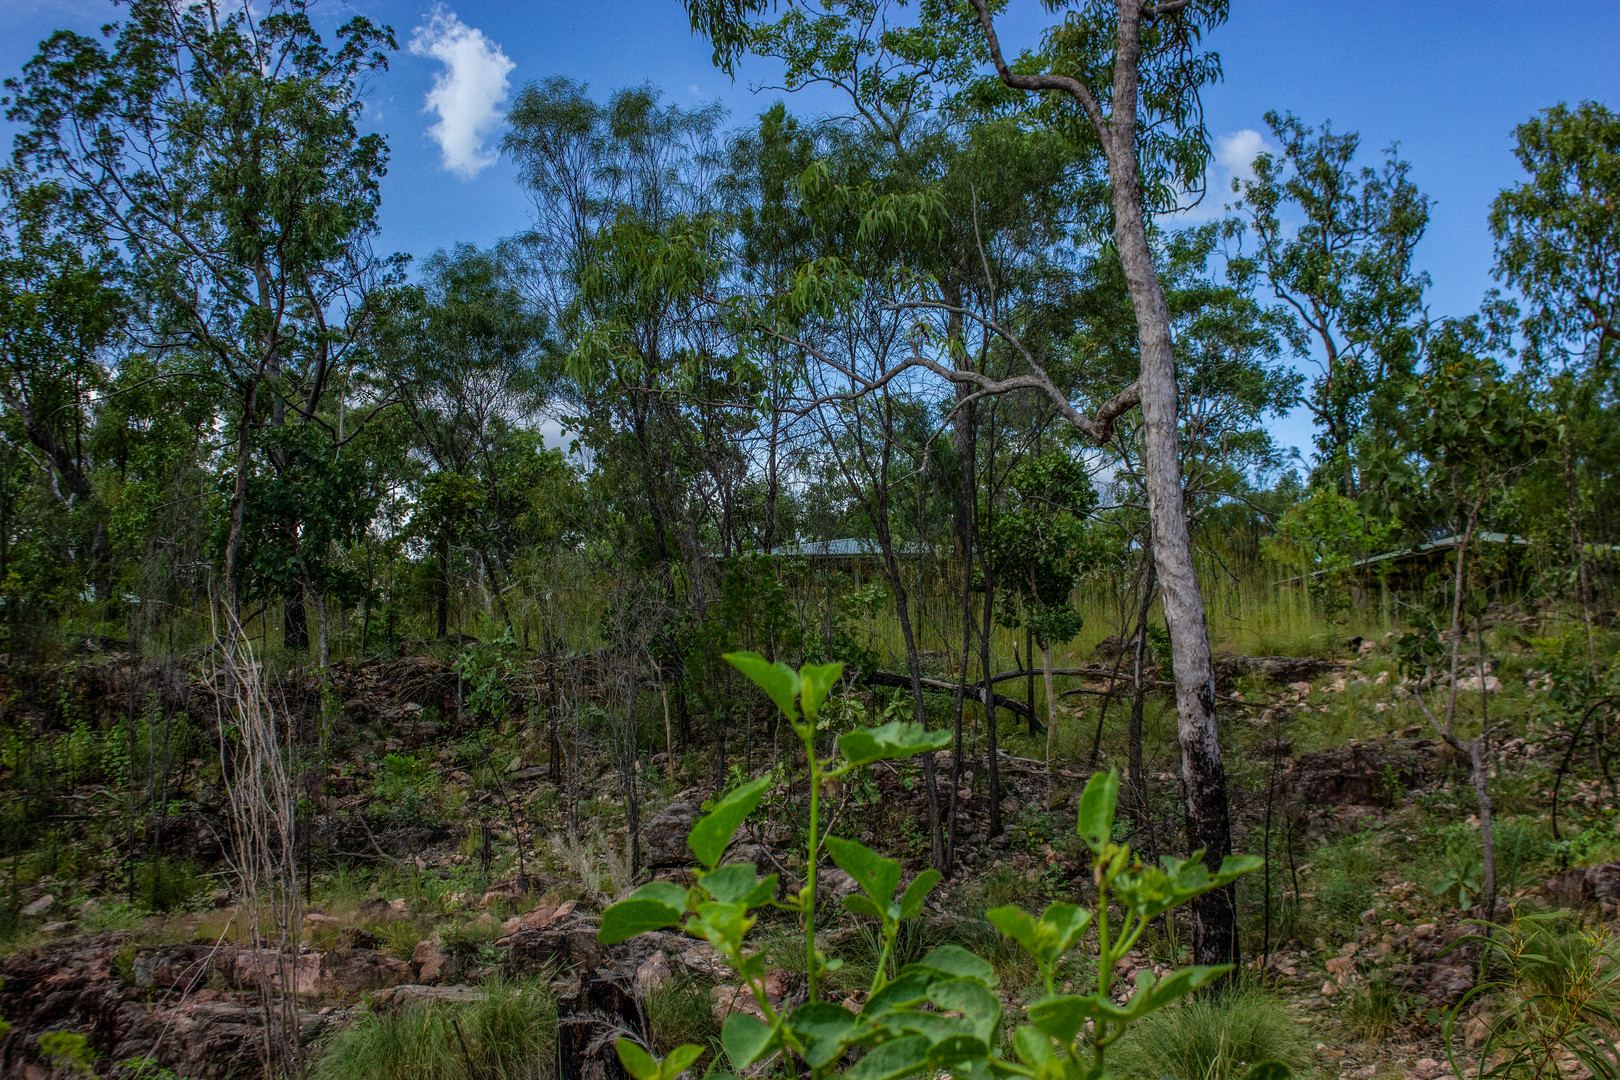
(1214, 1037)
(510, 1033)
(165, 884)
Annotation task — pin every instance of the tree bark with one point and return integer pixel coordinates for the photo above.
(1203, 773)
(1208, 824)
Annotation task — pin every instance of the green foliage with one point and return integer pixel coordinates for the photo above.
(1324, 535)
(510, 1032)
(68, 1051)
(407, 787)
(488, 670)
(1556, 232)
(938, 1011)
(1345, 273)
(165, 884)
(1377, 1009)
(1558, 993)
(1216, 1037)
(1040, 545)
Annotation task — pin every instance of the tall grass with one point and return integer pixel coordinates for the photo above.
(506, 1036)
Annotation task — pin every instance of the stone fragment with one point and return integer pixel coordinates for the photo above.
(654, 974)
(663, 839)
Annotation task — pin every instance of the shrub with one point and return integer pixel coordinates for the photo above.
(1559, 988)
(165, 884)
(1214, 1037)
(509, 1033)
(938, 1013)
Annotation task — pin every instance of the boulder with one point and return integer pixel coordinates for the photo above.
(397, 996)
(249, 969)
(663, 839)
(654, 974)
(40, 906)
(1586, 886)
(351, 973)
(432, 963)
(1376, 774)
(541, 917)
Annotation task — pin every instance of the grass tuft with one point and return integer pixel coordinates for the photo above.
(508, 1034)
(1214, 1037)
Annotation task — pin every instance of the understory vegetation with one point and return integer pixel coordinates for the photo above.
(696, 634)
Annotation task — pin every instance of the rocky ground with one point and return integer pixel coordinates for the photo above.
(187, 990)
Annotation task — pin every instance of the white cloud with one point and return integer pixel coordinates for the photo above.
(1232, 157)
(467, 95)
(1236, 150)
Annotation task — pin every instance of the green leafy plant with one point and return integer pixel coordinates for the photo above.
(940, 1011)
(1460, 869)
(1559, 994)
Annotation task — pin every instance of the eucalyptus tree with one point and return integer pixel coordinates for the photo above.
(627, 246)
(466, 349)
(215, 150)
(1467, 430)
(1558, 244)
(1344, 273)
(1120, 81)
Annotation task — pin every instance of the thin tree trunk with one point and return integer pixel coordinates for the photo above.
(1135, 775)
(1478, 758)
(1572, 497)
(1051, 712)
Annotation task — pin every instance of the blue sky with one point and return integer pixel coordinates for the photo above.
(1448, 81)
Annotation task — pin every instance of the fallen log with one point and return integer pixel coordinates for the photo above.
(975, 692)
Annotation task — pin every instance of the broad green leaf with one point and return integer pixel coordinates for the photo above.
(1151, 996)
(911, 901)
(896, 739)
(909, 989)
(1061, 925)
(1268, 1070)
(862, 904)
(1097, 801)
(764, 891)
(713, 831)
(816, 682)
(892, 1060)
(1016, 924)
(1234, 867)
(1063, 1015)
(1034, 1049)
(746, 1039)
(731, 884)
(780, 682)
(955, 1049)
(825, 1029)
(976, 1003)
(637, 1062)
(638, 914)
(957, 962)
(666, 892)
(876, 875)
(679, 1060)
